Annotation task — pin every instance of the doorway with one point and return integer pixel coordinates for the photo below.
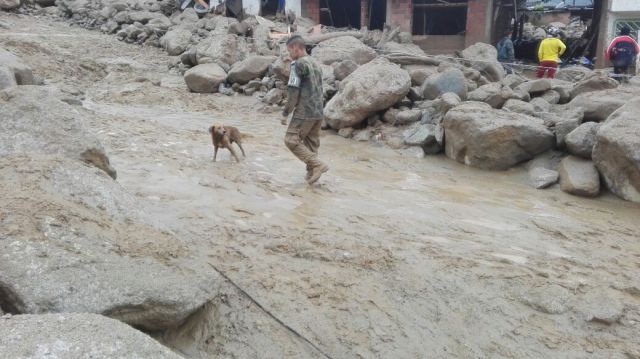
(377, 14)
(340, 13)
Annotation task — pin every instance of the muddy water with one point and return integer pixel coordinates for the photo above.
(392, 255)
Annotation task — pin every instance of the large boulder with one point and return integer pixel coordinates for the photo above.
(223, 48)
(21, 71)
(534, 87)
(579, 177)
(87, 245)
(480, 136)
(452, 80)
(599, 105)
(35, 120)
(519, 106)
(176, 41)
(484, 58)
(343, 69)
(9, 5)
(250, 68)
(617, 151)
(373, 87)
(580, 141)
(75, 336)
(594, 82)
(495, 94)
(205, 78)
(343, 48)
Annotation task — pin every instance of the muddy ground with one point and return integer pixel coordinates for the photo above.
(392, 255)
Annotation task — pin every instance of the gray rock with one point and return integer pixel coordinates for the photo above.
(601, 306)
(342, 69)
(534, 87)
(563, 128)
(274, 96)
(93, 247)
(144, 16)
(425, 136)
(572, 73)
(221, 49)
(75, 336)
(362, 135)
(541, 177)
(594, 82)
(7, 78)
(21, 71)
(250, 68)
(495, 94)
(483, 57)
(9, 5)
(580, 141)
(448, 100)
(518, 106)
(617, 151)
(415, 94)
(549, 299)
(205, 78)
(599, 105)
(35, 120)
(451, 80)
(188, 16)
(551, 96)
(343, 48)
(408, 116)
(419, 73)
(513, 80)
(540, 105)
(159, 23)
(563, 88)
(579, 177)
(482, 137)
(373, 87)
(346, 132)
(176, 41)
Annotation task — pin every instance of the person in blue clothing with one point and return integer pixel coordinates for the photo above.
(281, 6)
(506, 53)
(622, 53)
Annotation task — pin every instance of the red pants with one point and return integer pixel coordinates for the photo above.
(549, 66)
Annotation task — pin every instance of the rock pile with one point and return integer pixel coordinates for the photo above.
(377, 82)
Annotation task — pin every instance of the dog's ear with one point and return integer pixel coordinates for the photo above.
(211, 129)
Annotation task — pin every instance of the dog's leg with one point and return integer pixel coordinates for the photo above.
(241, 149)
(215, 153)
(233, 153)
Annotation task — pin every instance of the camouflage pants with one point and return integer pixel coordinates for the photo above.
(303, 140)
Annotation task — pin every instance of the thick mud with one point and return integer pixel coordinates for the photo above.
(392, 255)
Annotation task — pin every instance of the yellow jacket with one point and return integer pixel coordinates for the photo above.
(550, 49)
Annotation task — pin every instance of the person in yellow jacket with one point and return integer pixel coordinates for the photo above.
(549, 54)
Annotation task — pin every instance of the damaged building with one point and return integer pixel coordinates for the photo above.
(438, 26)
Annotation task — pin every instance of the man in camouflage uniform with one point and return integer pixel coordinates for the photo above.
(305, 99)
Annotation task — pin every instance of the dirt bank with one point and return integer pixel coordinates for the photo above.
(392, 256)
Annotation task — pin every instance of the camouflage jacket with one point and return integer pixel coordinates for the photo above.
(306, 98)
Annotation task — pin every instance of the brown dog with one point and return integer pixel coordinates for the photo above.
(224, 136)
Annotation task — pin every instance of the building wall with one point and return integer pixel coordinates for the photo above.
(400, 13)
(625, 5)
(311, 9)
(479, 16)
(294, 5)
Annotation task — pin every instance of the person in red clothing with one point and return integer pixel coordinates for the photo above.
(622, 52)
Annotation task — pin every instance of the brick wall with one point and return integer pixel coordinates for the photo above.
(478, 21)
(400, 14)
(311, 9)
